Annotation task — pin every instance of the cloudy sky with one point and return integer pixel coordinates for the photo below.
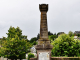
(62, 16)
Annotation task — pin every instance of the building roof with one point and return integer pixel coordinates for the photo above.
(0, 38)
(77, 32)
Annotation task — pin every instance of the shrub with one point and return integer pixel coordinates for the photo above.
(0, 51)
(65, 45)
(30, 55)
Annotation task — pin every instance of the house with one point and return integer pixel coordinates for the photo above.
(77, 32)
(33, 50)
(76, 37)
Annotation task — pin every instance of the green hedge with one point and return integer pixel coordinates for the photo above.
(30, 55)
(65, 45)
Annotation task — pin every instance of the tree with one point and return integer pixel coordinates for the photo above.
(16, 48)
(70, 33)
(66, 45)
(59, 33)
(38, 36)
(52, 37)
(15, 45)
(0, 51)
(77, 34)
(2, 41)
(15, 31)
(33, 41)
(49, 33)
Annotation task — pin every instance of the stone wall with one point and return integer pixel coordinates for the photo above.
(33, 58)
(65, 58)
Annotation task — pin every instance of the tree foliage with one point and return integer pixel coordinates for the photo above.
(49, 33)
(30, 55)
(52, 37)
(15, 31)
(71, 33)
(77, 34)
(16, 48)
(2, 41)
(59, 33)
(65, 45)
(15, 45)
(33, 41)
(38, 36)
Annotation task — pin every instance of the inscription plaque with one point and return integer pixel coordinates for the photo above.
(44, 56)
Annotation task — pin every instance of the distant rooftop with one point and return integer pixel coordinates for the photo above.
(0, 38)
(77, 32)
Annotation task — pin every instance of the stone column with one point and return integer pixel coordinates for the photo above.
(44, 47)
(43, 25)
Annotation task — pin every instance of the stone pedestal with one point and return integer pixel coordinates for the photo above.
(44, 50)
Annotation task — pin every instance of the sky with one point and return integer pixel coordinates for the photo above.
(62, 16)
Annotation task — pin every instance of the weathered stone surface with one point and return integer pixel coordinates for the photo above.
(18, 59)
(43, 7)
(43, 23)
(33, 58)
(43, 42)
(5, 58)
(44, 56)
(65, 58)
(2, 58)
(43, 47)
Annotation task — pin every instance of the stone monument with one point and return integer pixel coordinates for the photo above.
(44, 47)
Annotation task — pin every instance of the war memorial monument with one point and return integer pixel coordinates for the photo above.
(44, 47)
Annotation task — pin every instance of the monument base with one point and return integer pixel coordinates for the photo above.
(44, 50)
(43, 54)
